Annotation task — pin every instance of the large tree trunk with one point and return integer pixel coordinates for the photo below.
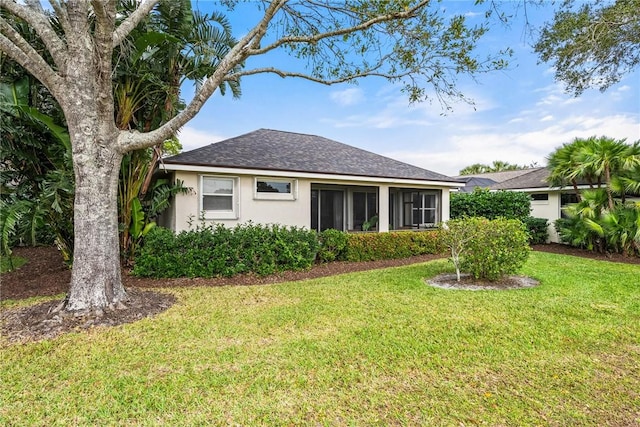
(95, 280)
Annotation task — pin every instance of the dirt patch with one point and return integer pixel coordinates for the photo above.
(42, 321)
(469, 283)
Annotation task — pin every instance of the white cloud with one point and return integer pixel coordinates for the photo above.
(192, 138)
(347, 97)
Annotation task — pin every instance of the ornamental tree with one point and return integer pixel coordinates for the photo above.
(413, 42)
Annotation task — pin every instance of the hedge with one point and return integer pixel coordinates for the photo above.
(392, 245)
(211, 251)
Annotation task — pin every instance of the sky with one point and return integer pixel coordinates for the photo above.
(520, 115)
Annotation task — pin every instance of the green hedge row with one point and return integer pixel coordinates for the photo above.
(392, 245)
(491, 204)
(210, 251)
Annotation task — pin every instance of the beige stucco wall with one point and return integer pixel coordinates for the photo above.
(549, 209)
(186, 207)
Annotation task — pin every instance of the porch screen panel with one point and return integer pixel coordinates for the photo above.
(365, 207)
(331, 210)
(327, 209)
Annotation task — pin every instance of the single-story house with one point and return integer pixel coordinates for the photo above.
(276, 177)
(546, 202)
(486, 180)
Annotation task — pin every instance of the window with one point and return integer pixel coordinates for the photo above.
(218, 197)
(540, 197)
(567, 199)
(275, 189)
(420, 209)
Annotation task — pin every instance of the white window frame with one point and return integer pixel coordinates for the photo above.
(540, 202)
(220, 214)
(293, 184)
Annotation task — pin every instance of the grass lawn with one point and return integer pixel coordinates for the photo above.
(372, 348)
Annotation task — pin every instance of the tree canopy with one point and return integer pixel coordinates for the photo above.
(496, 166)
(592, 44)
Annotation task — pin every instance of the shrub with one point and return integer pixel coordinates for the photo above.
(538, 230)
(333, 245)
(210, 251)
(490, 205)
(392, 245)
(494, 248)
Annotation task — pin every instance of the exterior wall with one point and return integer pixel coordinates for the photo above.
(185, 209)
(290, 212)
(549, 209)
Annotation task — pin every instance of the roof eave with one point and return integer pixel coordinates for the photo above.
(304, 174)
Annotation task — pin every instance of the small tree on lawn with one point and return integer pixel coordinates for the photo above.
(488, 249)
(456, 236)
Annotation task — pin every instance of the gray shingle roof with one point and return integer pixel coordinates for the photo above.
(535, 178)
(473, 182)
(497, 176)
(268, 149)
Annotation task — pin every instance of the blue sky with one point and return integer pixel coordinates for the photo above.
(520, 114)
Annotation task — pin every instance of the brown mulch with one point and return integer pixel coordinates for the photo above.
(46, 275)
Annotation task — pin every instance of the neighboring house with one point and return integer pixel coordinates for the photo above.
(486, 180)
(275, 177)
(546, 202)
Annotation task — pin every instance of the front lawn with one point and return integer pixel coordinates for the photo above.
(372, 348)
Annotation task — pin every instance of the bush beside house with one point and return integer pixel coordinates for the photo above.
(500, 204)
(210, 251)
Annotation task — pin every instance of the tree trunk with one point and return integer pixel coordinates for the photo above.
(95, 279)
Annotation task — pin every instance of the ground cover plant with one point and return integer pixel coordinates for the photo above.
(368, 348)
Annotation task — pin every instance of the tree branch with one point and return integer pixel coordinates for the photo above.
(16, 47)
(34, 15)
(341, 31)
(132, 21)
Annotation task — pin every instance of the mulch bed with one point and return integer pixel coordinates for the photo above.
(46, 275)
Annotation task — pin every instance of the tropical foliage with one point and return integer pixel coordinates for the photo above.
(604, 219)
(36, 202)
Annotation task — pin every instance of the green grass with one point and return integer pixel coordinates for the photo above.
(372, 348)
(11, 263)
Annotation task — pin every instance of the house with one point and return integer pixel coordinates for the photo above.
(546, 202)
(486, 180)
(277, 177)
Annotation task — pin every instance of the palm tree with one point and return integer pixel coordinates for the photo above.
(608, 158)
(562, 163)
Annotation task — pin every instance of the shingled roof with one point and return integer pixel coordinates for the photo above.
(267, 149)
(535, 178)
